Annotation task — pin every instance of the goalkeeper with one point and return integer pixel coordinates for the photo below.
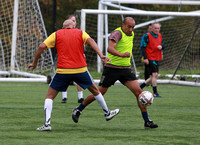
(119, 51)
(71, 66)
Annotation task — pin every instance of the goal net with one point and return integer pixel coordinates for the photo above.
(180, 32)
(21, 31)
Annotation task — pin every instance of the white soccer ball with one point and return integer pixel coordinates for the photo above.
(146, 98)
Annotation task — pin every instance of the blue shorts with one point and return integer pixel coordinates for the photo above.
(60, 82)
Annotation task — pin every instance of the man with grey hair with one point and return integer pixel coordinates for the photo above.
(71, 66)
(152, 51)
(68, 24)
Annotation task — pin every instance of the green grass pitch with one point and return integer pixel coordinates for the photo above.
(21, 111)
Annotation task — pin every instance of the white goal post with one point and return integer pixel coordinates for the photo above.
(22, 30)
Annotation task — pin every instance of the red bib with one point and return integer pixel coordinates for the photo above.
(152, 52)
(70, 50)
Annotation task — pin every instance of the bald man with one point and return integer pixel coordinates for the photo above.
(119, 51)
(71, 66)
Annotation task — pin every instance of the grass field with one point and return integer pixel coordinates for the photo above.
(21, 111)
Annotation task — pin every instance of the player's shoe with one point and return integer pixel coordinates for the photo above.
(64, 100)
(44, 128)
(156, 95)
(111, 114)
(75, 115)
(80, 100)
(150, 124)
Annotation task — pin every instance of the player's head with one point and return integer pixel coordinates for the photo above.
(128, 25)
(156, 27)
(149, 27)
(73, 18)
(68, 24)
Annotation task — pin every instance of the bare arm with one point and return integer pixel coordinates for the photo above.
(95, 47)
(38, 53)
(113, 51)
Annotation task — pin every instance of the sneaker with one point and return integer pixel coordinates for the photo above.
(150, 124)
(156, 95)
(44, 128)
(75, 115)
(111, 114)
(80, 100)
(64, 100)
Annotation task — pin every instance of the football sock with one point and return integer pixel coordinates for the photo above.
(64, 94)
(155, 89)
(48, 109)
(145, 116)
(142, 85)
(80, 94)
(81, 107)
(101, 101)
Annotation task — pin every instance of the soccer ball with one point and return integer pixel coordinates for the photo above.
(146, 98)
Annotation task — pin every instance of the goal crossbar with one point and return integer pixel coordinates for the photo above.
(164, 2)
(150, 13)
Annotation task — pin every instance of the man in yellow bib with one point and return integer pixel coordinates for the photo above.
(120, 51)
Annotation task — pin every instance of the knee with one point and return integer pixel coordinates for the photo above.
(155, 75)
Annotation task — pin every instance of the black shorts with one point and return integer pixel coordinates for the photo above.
(149, 69)
(111, 75)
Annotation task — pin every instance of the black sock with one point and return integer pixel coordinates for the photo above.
(142, 85)
(81, 107)
(145, 116)
(155, 90)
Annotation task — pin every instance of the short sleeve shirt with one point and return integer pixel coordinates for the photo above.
(115, 36)
(51, 40)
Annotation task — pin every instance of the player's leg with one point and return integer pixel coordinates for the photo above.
(129, 79)
(80, 94)
(96, 95)
(48, 105)
(64, 97)
(136, 90)
(147, 77)
(60, 83)
(155, 68)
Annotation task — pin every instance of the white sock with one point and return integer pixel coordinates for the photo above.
(101, 101)
(48, 105)
(64, 94)
(80, 94)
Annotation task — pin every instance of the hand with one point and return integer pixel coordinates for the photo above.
(159, 47)
(105, 59)
(127, 54)
(31, 67)
(146, 61)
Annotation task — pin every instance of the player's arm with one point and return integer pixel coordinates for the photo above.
(111, 49)
(48, 43)
(114, 39)
(38, 53)
(95, 47)
(162, 45)
(88, 40)
(143, 46)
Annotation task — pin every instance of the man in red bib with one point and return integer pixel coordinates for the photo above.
(71, 66)
(152, 47)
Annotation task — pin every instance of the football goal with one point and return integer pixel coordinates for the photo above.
(180, 32)
(21, 31)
